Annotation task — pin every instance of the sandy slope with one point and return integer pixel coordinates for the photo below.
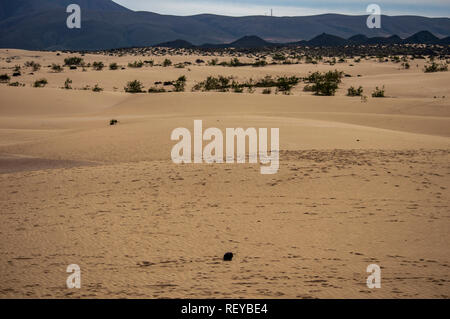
(359, 183)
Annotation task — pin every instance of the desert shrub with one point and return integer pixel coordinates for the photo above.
(67, 84)
(378, 92)
(267, 91)
(136, 64)
(113, 122)
(285, 84)
(266, 82)
(31, 64)
(96, 88)
(167, 63)
(40, 83)
(213, 62)
(406, 65)
(180, 84)
(199, 61)
(325, 83)
(156, 90)
(260, 63)
(134, 87)
(73, 61)
(16, 84)
(56, 68)
(278, 57)
(113, 66)
(237, 88)
(235, 62)
(17, 68)
(98, 66)
(211, 83)
(434, 67)
(355, 92)
(4, 78)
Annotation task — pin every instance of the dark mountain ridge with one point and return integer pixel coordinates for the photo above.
(41, 25)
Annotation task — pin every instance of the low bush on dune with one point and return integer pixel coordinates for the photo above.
(213, 62)
(325, 84)
(220, 83)
(4, 78)
(67, 84)
(16, 84)
(355, 92)
(134, 87)
(136, 64)
(167, 63)
(378, 92)
(434, 67)
(267, 91)
(31, 64)
(98, 66)
(113, 122)
(113, 66)
(40, 83)
(56, 68)
(180, 84)
(96, 88)
(156, 90)
(77, 61)
(224, 84)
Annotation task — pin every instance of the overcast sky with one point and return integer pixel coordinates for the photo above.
(430, 8)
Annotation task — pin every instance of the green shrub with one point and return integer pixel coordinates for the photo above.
(96, 88)
(355, 92)
(4, 78)
(113, 122)
(40, 83)
(16, 84)
(434, 67)
(56, 68)
(67, 84)
(325, 83)
(73, 61)
(213, 62)
(267, 91)
(136, 64)
(113, 66)
(134, 87)
(31, 64)
(180, 84)
(98, 66)
(167, 63)
(156, 90)
(378, 92)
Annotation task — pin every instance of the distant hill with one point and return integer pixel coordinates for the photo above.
(323, 40)
(422, 37)
(32, 24)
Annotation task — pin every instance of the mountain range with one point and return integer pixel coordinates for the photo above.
(41, 25)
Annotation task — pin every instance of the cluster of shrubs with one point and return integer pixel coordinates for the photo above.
(378, 92)
(137, 87)
(324, 84)
(225, 84)
(355, 92)
(40, 83)
(31, 64)
(434, 67)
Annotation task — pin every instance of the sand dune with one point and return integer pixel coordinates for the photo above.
(359, 183)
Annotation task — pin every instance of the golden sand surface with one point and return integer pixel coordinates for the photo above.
(359, 183)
